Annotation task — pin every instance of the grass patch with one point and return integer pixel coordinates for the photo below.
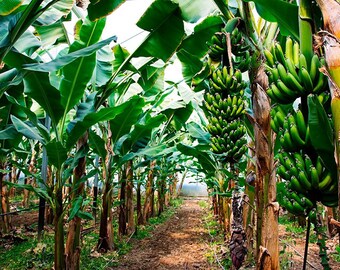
(214, 254)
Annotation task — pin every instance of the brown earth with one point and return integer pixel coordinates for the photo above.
(182, 242)
(179, 243)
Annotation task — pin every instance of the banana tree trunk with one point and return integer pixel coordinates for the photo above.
(73, 248)
(267, 208)
(139, 204)
(105, 241)
(122, 229)
(148, 204)
(129, 198)
(179, 190)
(59, 246)
(331, 42)
(161, 195)
(4, 200)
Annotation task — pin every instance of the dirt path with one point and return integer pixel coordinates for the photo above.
(179, 243)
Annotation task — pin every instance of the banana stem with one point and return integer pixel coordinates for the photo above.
(305, 29)
(306, 245)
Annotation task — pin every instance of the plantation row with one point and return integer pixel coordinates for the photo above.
(256, 117)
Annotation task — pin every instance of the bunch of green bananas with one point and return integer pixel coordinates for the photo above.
(228, 108)
(311, 179)
(224, 106)
(290, 76)
(297, 203)
(217, 46)
(227, 81)
(239, 44)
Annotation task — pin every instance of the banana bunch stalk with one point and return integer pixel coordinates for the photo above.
(290, 76)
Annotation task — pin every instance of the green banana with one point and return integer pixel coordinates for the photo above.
(326, 182)
(269, 58)
(289, 49)
(294, 134)
(296, 53)
(304, 180)
(301, 123)
(293, 83)
(314, 68)
(291, 95)
(306, 80)
(314, 177)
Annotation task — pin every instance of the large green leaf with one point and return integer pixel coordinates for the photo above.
(77, 74)
(191, 65)
(56, 11)
(8, 133)
(206, 161)
(27, 43)
(104, 67)
(123, 122)
(142, 130)
(51, 34)
(321, 133)
(192, 11)
(27, 129)
(8, 6)
(37, 86)
(105, 114)
(164, 22)
(101, 8)
(282, 12)
(196, 43)
(198, 133)
(69, 60)
(97, 144)
(56, 152)
(76, 204)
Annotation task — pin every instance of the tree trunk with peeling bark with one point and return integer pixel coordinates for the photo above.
(267, 248)
(148, 204)
(73, 248)
(129, 198)
(122, 229)
(179, 190)
(4, 200)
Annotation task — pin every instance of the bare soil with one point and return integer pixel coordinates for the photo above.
(179, 243)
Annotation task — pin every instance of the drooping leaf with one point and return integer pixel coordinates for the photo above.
(192, 11)
(27, 129)
(84, 215)
(51, 34)
(191, 65)
(97, 144)
(56, 11)
(282, 12)
(83, 109)
(71, 59)
(56, 152)
(76, 204)
(79, 72)
(163, 20)
(142, 130)
(321, 133)
(104, 66)
(8, 133)
(8, 6)
(196, 43)
(105, 114)
(101, 8)
(37, 86)
(27, 43)
(122, 123)
(198, 133)
(39, 191)
(206, 161)
(121, 54)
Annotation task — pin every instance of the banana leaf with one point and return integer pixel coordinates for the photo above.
(101, 8)
(7, 7)
(321, 133)
(282, 12)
